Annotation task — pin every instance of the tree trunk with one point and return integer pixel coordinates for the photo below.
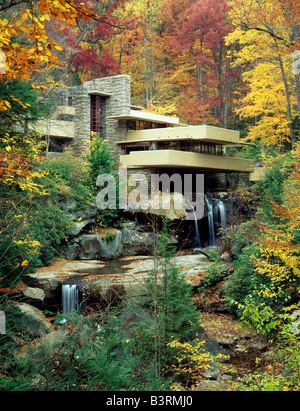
(297, 82)
(199, 69)
(151, 62)
(288, 102)
(147, 64)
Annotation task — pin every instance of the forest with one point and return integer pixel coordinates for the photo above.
(228, 63)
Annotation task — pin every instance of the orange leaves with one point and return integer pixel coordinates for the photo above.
(279, 248)
(17, 168)
(24, 263)
(25, 41)
(4, 105)
(290, 210)
(70, 329)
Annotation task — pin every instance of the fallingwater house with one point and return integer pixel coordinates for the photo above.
(138, 139)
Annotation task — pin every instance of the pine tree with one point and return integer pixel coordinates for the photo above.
(171, 304)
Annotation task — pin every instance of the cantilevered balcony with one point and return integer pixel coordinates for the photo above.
(181, 159)
(191, 147)
(55, 128)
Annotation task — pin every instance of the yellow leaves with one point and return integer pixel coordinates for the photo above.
(264, 61)
(24, 29)
(32, 24)
(279, 251)
(56, 3)
(24, 263)
(26, 105)
(5, 105)
(44, 17)
(16, 166)
(191, 358)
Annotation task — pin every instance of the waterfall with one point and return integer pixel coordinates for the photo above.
(216, 216)
(222, 213)
(211, 225)
(197, 234)
(70, 298)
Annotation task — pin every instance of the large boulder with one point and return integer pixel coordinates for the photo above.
(81, 219)
(90, 247)
(112, 248)
(77, 226)
(296, 322)
(34, 296)
(137, 243)
(87, 213)
(33, 321)
(96, 246)
(71, 251)
(48, 282)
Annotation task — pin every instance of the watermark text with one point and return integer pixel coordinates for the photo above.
(137, 192)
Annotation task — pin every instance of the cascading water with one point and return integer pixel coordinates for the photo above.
(211, 225)
(216, 215)
(222, 213)
(197, 234)
(70, 298)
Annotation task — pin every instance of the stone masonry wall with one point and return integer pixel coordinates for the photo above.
(81, 103)
(118, 103)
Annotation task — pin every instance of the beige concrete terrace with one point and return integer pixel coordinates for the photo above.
(180, 159)
(146, 116)
(201, 133)
(63, 111)
(184, 147)
(55, 128)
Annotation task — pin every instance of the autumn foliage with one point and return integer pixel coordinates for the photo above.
(228, 63)
(279, 246)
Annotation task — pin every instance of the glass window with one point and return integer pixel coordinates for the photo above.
(128, 148)
(98, 115)
(219, 150)
(182, 145)
(189, 146)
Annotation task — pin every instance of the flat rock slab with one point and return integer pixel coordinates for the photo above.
(128, 271)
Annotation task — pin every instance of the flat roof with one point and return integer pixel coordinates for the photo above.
(146, 116)
(203, 133)
(99, 93)
(133, 107)
(204, 139)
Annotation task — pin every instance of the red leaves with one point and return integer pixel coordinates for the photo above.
(89, 61)
(197, 37)
(11, 163)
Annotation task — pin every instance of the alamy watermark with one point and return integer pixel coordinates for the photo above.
(2, 322)
(134, 192)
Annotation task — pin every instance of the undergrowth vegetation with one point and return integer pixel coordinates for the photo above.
(144, 344)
